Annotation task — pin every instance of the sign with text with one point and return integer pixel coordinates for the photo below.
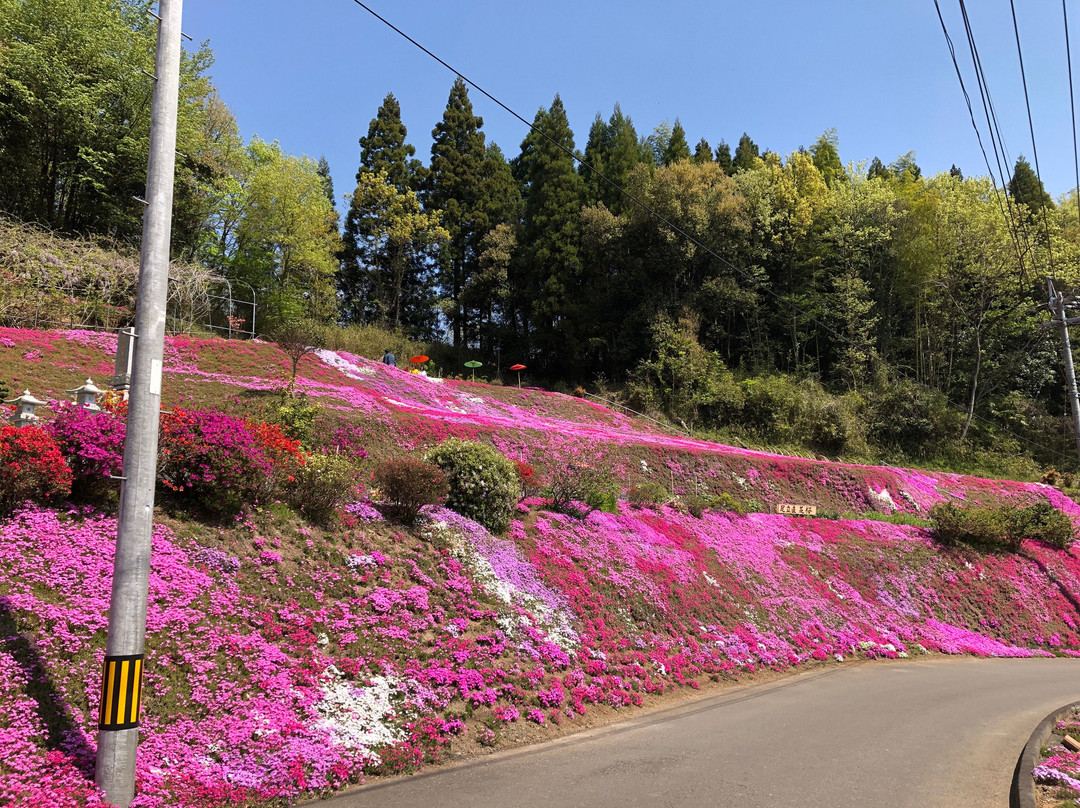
(796, 510)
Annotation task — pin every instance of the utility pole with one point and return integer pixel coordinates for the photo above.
(1057, 307)
(121, 689)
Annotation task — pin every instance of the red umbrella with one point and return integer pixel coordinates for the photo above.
(519, 367)
(418, 360)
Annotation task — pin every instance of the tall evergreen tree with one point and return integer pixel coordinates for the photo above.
(455, 186)
(328, 181)
(746, 154)
(703, 152)
(878, 169)
(546, 282)
(625, 152)
(956, 172)
(677, 150)
(1026, 187)
(384, 148)
(597, 150)
(723, 158)
(386, 154)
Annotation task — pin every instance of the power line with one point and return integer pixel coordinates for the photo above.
(978, 135)
(675, 228)
(1031, 127)
(1072, 104)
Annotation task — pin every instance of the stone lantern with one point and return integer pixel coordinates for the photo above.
(86, 396)
(26, 404)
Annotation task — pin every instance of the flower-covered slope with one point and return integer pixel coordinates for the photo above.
(286, 661)
(408, 410)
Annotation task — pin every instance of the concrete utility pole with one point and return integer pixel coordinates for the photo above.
(1057, 307)
(121, 689)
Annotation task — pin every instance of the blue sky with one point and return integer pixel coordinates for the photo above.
(311, 75)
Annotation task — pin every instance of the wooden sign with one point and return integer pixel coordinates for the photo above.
(796, 510)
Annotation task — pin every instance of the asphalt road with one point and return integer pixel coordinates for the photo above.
(924, 734)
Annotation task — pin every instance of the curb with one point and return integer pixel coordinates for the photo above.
(1022, 793)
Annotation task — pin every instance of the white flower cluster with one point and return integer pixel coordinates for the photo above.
(359, 718)
(554, 623)
(346, 367)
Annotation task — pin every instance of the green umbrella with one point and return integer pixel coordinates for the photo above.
(472, 363)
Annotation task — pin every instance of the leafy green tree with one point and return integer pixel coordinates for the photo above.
(392, 243)
(1027, 189)
(361, 279)
(287, 239)
(456, 186)
(677, 149)
(75, 112)
(657, 142)
(723, 158)
(827, 157)
(683, 380)
(975, 291)
(905, 169)
(746, 154)
(487, 290)
(703, 152)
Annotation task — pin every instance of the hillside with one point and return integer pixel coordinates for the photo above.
(287, 660)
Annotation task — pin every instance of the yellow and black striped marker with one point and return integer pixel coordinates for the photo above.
(121, 688)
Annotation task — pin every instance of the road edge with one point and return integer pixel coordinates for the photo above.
(1022, 793)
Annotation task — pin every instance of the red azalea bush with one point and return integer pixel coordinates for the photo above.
(31, 467)
(530, 485)
(211, 458)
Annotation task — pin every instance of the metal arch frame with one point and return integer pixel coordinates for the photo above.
(232, 305)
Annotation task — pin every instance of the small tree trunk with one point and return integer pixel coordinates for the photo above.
(974, 385)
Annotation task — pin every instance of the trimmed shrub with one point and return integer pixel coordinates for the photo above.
(212, 460)
(409, 484)
(31, 467)
(1001, 528)
(484, 485)
(93, 444)
(321, 485)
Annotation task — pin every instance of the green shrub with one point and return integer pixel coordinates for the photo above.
(911, 418)
(409, 484)
(651, 493)
(484, 485)
(785, 410)
(1001, 528)
(322, 484)
(1043, 522)
(580, 483)
(696, 504)
(295, 413)
(682, 379)
(726, 502)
